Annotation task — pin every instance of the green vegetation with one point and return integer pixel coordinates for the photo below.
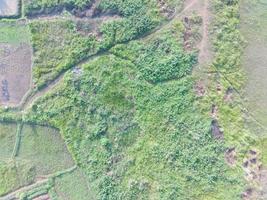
(57, 47)
(44, 148)
(134, 139)
(162, 59)
(130, 115)
(73, 186)
(14, 174)
(14, 33)
(7, 140)
(32, 7)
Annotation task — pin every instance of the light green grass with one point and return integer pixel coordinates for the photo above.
(73, 186)
(7, 140)
(14, 33)
(253, 27)
(45, 149)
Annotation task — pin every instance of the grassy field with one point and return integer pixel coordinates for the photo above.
(144, 135)
(14, 33)
(73, 186)
(7, 140)
(45, 149)
(254, 17)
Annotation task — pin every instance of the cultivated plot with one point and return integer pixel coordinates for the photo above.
(15, 63)
(44, 147)
(73, 186)
(7, 140)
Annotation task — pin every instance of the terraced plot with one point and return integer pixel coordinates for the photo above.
(41, 153)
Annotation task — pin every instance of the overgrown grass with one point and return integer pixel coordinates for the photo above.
(15, 174)
(45, 149)
(135, 138)
(57, 47)
(14, 33)
(7, 140)
(33, 7)
(73, 186)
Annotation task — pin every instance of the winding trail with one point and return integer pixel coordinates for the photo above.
(204, 46)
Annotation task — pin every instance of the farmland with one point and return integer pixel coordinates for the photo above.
(14, 48)
(112, 99)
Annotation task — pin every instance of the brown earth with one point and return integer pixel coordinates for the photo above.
(15, 73)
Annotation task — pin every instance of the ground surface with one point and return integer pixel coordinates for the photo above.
(147, 108)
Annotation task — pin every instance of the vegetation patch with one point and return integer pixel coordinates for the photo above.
(57, 47)
(15, 174)
(139, 140)
(73, 186)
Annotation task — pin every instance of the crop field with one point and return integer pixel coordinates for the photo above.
(7, 141)
(133, 99)
(15, 63)
(254, 16)
(73, 186)
(45, 149)
(40, 153)
(9, 8)
(254, 60)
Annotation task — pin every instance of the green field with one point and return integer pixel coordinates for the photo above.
(14, 33)
(254, 17)
(45, 149)
(7, 140)
(73, 186)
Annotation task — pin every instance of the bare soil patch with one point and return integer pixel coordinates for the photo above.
(43, 197)
(230, 156)
(15, 73)
(9, 7)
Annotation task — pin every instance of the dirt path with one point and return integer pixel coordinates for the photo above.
(12, 195)
(204, 46)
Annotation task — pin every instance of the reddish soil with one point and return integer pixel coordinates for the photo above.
(230, 156)
(15, 73)
(43, 197)
(8, 7)
(216, 131)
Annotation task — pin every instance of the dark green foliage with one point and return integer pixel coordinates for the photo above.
(33, 7)
(159, 59)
